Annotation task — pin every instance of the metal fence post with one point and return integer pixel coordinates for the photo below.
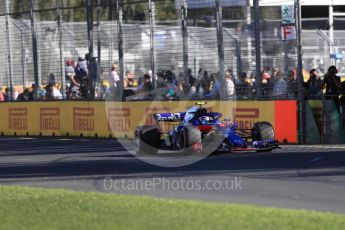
(23, 58)
(220, 45)
(9, 50)
(62, 64)
(91, 61)
(302, 102)
(34, 48)
(152, 19)
(89, 15)
(258, 78)
(99, 45)
(120, 45)
(184, 18)
(22, 46)
(331, 32)
(249, 40)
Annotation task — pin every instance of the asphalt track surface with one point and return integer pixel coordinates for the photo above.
(299, 177)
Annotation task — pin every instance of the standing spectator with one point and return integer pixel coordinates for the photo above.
(181, 88)
(149, 72)
(130, 82)
(265, 82)
(81, 71)
(160, 79)
(191, 78)
(24, 96)
(32, 92)
(229, 84)
(81, 77)
(170, 76)
(313, 84)
(265, 87)
(274, 75)
(71, 80)
(103, 90)
(292, 85)
(169, 93)
(332, 84)
(243, 87)
(114, 81)
(51, 79)
(280, 86)
(266, 73)
(204, 83)
(148, 83)
(273, 79)
(69, 71)
(45, 93)
(146, 86)
(83, 63)
(41, 93)
(216, 88)
(2, 95)
(49, 92)
(56, 94)
(7, 95)
(152, 76)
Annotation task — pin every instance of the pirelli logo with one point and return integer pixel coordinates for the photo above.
(49, 119)
(83, 119)
(18, 118)
(119, 119)
(246, 117)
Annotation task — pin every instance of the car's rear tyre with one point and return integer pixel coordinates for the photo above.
(147, 140)
(262, 131)
(188, 136)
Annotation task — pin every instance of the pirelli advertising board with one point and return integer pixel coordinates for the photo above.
(116, 119)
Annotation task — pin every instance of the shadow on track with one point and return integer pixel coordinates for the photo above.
(92, 159)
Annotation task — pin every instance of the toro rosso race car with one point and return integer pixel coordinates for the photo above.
(198, 130)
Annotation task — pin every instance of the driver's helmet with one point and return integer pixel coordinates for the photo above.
(205, 120)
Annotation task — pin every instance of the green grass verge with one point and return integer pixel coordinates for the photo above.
(29, 208)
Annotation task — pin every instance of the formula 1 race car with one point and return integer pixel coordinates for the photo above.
(198, 130)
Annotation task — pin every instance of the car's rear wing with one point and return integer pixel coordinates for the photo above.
(169, 117)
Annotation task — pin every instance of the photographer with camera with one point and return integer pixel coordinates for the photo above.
(332, 84)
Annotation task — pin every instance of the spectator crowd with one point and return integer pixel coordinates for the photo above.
(166, 85)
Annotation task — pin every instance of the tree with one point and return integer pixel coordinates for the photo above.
(74, 10)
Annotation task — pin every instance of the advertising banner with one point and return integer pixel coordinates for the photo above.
(286, 124)
(116, 119)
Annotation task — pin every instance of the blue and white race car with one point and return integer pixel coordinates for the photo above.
(198, 130)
